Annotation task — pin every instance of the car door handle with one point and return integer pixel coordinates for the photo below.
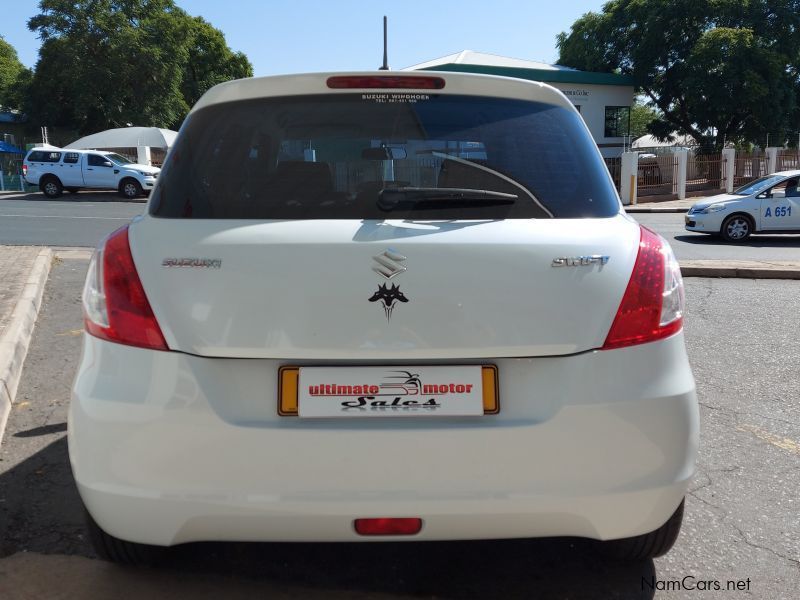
(90, 169)
(116, 171)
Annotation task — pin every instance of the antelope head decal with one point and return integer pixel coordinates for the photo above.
(389, 297)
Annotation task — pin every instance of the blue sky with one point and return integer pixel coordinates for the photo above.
(281, 36)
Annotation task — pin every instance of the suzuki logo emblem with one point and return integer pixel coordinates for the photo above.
(389, 264)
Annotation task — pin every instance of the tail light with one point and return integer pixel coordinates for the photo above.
(24, 170)
(653, 304)
(115, 307)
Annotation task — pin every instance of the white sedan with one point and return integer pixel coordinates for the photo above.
(769, 204)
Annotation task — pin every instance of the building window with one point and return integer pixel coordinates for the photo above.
(618, 121)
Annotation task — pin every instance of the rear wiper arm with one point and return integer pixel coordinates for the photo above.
(389, 198)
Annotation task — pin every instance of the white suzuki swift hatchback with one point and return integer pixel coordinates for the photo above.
(382, 306)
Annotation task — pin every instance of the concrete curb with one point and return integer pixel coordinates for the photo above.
(743, 269)
(17, 336)
(655, 209)
(85, 196)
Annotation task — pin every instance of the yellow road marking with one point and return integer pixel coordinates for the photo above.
(71, 332)
(776, 440)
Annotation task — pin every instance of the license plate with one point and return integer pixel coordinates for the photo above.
(417, 391)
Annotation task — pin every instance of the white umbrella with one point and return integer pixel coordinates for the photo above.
(126, 137)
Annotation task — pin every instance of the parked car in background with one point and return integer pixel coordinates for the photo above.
(56, 170)
(770, 204)
(383, 306)
(649, 170)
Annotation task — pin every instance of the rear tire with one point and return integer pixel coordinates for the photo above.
(130, 189)
(51, 187)
(119, 551)
(649, 545)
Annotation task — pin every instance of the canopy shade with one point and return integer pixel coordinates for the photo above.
(127, 137)
(9, 149)
(675, 139)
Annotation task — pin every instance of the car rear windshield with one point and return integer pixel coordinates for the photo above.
(384, 156)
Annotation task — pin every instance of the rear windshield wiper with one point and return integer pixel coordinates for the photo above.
(427, 197)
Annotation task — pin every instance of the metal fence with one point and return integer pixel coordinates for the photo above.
(614, 166)
(704, 172)
(157, 157)
(749, 167)
(11, 171)
(657, 176)
(787, 159)
(12, 183)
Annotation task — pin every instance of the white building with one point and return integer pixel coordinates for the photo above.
(603, 99)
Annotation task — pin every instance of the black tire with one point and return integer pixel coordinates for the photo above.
(736, 228)
(130, 189)
(119, 551)
(51, 187)
(649, 545)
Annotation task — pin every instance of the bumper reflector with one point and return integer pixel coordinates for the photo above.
(388, 526)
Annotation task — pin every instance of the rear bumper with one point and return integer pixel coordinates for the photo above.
(169, 448)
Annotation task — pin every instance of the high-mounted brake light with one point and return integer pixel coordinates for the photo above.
(388, 526)
(385, 82)
(115, 307)
(653, 304)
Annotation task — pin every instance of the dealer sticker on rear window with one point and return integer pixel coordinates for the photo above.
(395, 98)
(390, 391)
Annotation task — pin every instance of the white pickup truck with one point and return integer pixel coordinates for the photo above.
(55, 170)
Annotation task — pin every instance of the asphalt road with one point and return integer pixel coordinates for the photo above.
(741, 525)
(696, 246)
(81, 219)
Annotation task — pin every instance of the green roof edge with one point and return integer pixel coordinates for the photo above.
(544, 75)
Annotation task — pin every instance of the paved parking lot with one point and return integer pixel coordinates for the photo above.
(741, 527)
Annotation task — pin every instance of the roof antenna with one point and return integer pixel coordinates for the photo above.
(385, 66)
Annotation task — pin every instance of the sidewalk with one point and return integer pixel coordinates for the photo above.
(667, 206)
(23, 274)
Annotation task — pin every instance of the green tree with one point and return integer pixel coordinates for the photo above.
(13, 77)
(715, 69)
(641, 117)
(107, 63)
(210, 61)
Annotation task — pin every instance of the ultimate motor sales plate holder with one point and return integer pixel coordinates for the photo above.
(388, 391)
